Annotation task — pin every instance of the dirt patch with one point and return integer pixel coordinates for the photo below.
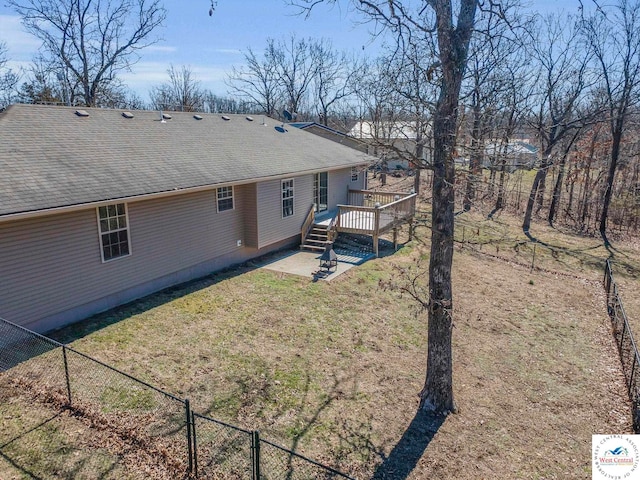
(91, 443)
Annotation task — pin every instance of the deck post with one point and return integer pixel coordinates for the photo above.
(376, 228)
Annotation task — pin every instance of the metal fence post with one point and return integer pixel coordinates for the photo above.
(66, 372)
(194, 437)
(187, 408)
(255, 455)
(633, 371)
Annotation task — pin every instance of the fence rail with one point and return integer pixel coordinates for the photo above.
(181, 442)
(627, 346)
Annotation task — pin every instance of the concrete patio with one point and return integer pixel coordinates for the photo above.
(306, 264)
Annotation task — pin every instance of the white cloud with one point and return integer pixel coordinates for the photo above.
(160, 49)
(228, 51)
(21, 45)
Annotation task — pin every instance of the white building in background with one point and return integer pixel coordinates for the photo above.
(394, 142)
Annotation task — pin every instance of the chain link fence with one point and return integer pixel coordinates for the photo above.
(147, 429)
(627, 346)
(222, 450)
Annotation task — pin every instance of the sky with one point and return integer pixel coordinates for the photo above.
(212, 45)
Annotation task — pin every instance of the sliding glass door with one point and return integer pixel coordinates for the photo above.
(320, 188)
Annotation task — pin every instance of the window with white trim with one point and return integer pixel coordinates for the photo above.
(287, 198)
(225, 198)
(114, 231)
(354, 174)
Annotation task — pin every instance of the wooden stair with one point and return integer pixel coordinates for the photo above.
(317, 239)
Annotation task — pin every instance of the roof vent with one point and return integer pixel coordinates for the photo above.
(224, 117)
(249, 118)
(198, 117)
(166, 116)
(82, 113)
(127, 114)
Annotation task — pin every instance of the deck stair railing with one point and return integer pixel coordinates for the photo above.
(308, 224)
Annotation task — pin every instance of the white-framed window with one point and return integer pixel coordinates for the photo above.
(287, 198)
(354, 174)
(225, 198)
(113, 225)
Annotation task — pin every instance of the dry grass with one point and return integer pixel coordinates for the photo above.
(333, 368)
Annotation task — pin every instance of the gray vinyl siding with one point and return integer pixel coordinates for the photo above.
(339, 184)
(250, 209)
(271, 226)
(49, 265)
(51, 272)
(44, 264)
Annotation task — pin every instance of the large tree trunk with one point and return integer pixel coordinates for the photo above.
(453, 43)
(437, 394)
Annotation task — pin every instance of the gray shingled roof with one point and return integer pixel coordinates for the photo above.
(50, 157)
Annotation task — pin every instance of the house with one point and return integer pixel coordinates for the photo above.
(333, 135)
(513, 155)
(99, 207)
(395, 142)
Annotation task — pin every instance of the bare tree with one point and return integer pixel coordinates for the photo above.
(257, 82)
(295, 74)
(296, 62)
(489, 91)
(93, 40)
(396, 96)
(8, 78)
(181, 93)
(505, 117)
(216, 104)
(417, 82)
(562, 81)
(46, 84)
(613, 32)
(334, 78)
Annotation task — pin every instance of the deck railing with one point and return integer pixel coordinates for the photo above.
(373, 213)
(354, 219)
(369, 198)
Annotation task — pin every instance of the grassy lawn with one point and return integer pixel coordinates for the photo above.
(333, 369)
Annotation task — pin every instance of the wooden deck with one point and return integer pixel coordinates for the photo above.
(372, 213)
